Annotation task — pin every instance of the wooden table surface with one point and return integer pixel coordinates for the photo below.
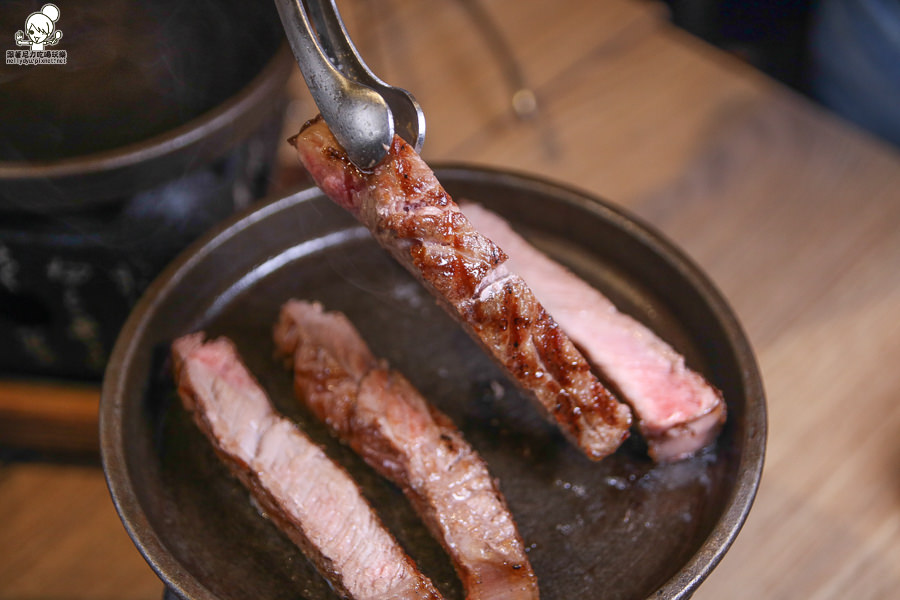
(794, 215)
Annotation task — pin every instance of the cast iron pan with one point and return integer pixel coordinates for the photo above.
(621, 528)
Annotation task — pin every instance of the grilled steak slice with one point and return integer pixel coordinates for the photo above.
(380, 415)
(410, 214)
(678, 412)
(301, 490)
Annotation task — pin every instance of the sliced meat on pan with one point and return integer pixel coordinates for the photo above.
(409, 213)
(311, 499)
(678, 411)
(378, 413)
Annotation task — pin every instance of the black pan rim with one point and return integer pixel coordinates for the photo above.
(203, 138)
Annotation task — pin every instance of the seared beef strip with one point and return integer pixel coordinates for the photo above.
(678, 411)
(410, 214)
(378, 413)
(301, 490)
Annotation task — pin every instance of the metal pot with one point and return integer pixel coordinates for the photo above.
(163, 120)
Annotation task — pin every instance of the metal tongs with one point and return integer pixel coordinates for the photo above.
(362, 111)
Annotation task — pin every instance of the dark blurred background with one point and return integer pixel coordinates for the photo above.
(844, 54)
(770, 34)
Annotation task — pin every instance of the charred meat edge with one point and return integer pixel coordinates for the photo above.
(410, 215)
(251, 438)
(678, 411)
(379, 414)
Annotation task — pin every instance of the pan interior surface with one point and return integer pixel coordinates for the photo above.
(622, 528)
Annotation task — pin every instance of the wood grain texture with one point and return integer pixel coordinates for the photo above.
(49, 416)
(794, 215)
(61, 538)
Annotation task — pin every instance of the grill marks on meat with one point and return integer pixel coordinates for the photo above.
(678, 411)
(312, 500)
(383, 418)
(410, 214)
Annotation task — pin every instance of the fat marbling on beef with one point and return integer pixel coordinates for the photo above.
(378, 413)
(678, 411)
(309, 497)
(412, 216)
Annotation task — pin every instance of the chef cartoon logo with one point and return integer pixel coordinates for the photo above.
(40, 32)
